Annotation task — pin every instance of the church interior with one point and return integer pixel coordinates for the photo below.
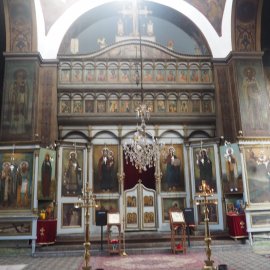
(125, 118)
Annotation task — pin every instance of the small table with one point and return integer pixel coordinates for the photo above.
(237, 225)
(46, 231)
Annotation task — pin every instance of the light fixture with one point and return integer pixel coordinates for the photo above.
(142, 151)
(12, 158)
(205, 192)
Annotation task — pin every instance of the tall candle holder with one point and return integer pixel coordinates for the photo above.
(88, 200)
(205, 193)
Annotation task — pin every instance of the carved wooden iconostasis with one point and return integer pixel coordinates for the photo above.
(97, 85)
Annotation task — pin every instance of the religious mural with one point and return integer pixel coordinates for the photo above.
(231, 168)
(20, 25)
(180, 73)
(212, 9)
(124, 103)
(16, 182)
(172, 169)
(124, 25)
(105, 164)
(245, 29)
(204, 167)
(46, 174)
(18, 97)
(72, 172)
(254, 100)
(257, 164)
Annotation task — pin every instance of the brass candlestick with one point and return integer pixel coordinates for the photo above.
(88, 201)
(207, 192)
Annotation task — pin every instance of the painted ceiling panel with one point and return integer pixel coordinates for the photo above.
(212, 9)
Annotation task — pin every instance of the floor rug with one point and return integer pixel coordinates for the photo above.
(189, 261)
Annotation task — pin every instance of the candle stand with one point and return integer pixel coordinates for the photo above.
(205, 194)
(87, 201)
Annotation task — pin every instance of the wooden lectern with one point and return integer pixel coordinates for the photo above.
(114, 233)
(178, 230)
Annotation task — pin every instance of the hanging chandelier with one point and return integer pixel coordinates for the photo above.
(142, 152)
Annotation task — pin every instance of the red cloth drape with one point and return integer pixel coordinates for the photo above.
(237, 225)
(46, 231)
(132, 176)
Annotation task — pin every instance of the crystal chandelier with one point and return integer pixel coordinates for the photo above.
(12, 159)
(143, 153)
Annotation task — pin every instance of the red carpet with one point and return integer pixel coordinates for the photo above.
(190, 261)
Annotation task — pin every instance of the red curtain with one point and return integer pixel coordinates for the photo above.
(132, 176)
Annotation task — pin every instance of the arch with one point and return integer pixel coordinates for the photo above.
(170, 131)
(110, 133)
(199, 134)
(76, 133)
(48, 45)
(130, 133)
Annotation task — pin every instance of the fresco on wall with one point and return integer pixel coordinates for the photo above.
(245, 25)
(105, 168)
(257, 161)
(231, 168)
(16, 181)
(254, 100)
(172, 169)
(20, 26)
(18, 100)
(46, 174)
(212, 9)
(123, 25)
